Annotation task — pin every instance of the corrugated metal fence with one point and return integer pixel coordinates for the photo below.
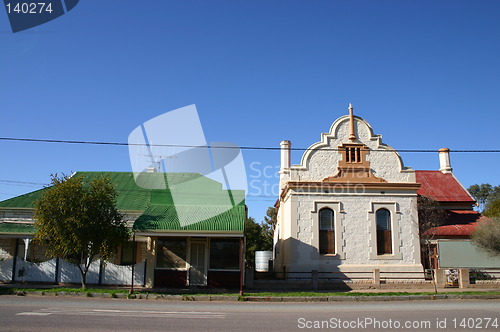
(61, 271)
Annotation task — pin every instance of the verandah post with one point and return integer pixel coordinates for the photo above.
(14, 262)
(134, 259)
(242, 257)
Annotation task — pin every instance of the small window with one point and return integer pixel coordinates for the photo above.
(326, 231)
(171, 253)
(384, 234)
(353, 154)
(224, 254)
(127, 254)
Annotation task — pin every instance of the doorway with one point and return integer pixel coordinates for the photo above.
(198, 263)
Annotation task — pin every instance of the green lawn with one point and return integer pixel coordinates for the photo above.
(111, 292)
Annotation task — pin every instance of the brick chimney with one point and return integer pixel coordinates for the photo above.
(285, 162)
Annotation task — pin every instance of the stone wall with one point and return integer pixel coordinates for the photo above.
(356, 244)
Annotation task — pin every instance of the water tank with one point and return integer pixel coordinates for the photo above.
(262, 259)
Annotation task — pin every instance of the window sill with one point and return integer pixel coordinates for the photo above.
(387, 256)
(330, 255)
(338, 256)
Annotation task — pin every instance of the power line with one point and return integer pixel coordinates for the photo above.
(223, 147)
(22, 183)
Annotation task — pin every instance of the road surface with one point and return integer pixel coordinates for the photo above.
(31, 313)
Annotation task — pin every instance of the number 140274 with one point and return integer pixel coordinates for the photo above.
(29, 8)
(475, 323)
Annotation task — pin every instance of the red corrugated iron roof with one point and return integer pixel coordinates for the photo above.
(468, 212)
(441, 187)
(459, 223)
(453, 230)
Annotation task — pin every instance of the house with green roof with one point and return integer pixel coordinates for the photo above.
(187, 229)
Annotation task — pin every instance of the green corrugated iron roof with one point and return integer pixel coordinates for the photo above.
(154, 190)
(130, 196)
(203, 218)
(16, 228)
(201, 204)
(23, 201)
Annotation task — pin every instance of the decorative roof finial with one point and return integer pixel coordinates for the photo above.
(352, 135)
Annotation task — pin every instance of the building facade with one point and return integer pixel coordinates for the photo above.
(197, 243)
(348, 208)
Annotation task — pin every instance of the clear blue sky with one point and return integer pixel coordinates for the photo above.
(424, 74)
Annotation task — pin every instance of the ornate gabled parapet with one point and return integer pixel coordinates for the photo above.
(354, 167)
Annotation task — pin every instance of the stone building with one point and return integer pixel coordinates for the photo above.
(348, 208)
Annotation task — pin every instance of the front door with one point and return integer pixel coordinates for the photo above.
(198, 264)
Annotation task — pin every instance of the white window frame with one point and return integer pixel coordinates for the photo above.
(338, 217)
(393, 209)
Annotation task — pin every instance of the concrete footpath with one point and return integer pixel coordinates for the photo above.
(374, 294)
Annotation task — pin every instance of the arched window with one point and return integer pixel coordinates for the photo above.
(384, 236)
(326, 231)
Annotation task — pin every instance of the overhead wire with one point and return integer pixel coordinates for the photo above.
(254, 197)
(230, 147)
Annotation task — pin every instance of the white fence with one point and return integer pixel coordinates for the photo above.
(122, 274)
(69, 273)
(6, 269)
(38, 272)
(61, 271)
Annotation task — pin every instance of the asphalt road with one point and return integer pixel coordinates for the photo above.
(40, 314)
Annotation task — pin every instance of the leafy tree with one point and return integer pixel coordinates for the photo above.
(271, 218)
(484, 193)
(80, 221)
(258, 237)
(487, 236)
(492, 209)
(430, 215)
